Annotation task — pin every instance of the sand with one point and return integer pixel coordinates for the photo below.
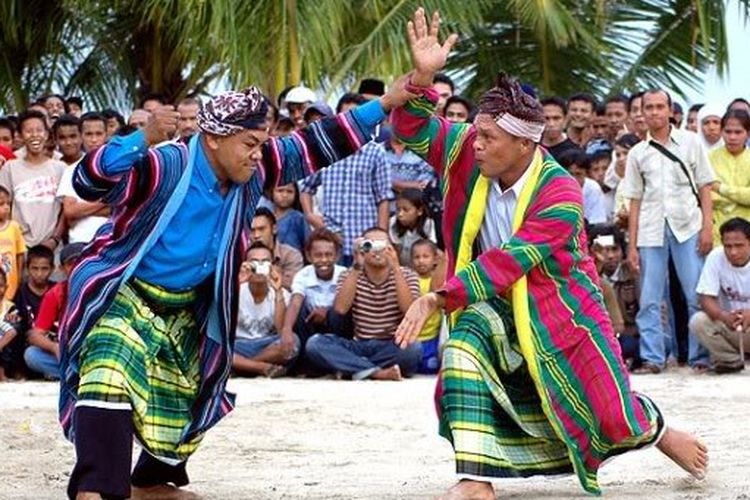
(323, 439)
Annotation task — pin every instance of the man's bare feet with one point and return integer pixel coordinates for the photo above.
(470, 490)
(88, 495)
(392, 373)
(686, 451)
(161, 492)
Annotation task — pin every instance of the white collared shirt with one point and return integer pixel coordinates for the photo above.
(663, 188)
(497, 225)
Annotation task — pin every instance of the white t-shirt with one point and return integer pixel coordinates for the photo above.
(83, 230)
(721, 279)
(594, 209)
(317, 292)
(255, 321)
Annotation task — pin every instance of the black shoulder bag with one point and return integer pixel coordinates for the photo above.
(684, 169)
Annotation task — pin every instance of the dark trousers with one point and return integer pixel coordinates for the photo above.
(104, 449)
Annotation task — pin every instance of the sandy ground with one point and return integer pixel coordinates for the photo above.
(377, 440)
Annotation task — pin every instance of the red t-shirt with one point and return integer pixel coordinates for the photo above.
(52, 307)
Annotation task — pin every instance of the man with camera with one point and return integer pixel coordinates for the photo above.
(377, 291)
(261, 346)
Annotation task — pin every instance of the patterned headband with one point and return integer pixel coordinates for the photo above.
(231, 112)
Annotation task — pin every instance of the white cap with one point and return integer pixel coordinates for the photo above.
(300, 95)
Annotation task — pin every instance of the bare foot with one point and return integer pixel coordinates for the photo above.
(392, 373)
(88, 495)
(686, 451)
(470, 490)
(161, 492)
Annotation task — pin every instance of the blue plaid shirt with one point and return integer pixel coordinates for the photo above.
(352, 190)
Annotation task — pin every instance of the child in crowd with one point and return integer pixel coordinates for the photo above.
(12, 246)
(600, 156)
(43, 354)
(577, 163)
(8, 332)
(411, 223)
(292, 228)
(429, 265)
(622, 147)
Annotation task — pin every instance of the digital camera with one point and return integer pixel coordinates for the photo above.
(367, 246)
(260, 267)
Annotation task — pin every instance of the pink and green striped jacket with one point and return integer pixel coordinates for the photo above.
(564, 331)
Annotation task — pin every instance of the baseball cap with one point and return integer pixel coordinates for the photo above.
(300, 95)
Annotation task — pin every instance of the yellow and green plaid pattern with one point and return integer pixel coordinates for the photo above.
(148, 359)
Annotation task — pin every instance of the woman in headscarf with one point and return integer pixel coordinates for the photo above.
(709, 126)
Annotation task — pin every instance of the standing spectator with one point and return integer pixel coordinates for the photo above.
(638, 125)
(378, 291)
(40, 262)
(617, 116)
(264, 230)
(357, 194)
(12, 247)
(187, 125)
(577, 164)
(731, 163)
(33, 182)
(554, 138)
(667, 179)
(56, 107)
(430, 269)
(691, 123)
(43, 354)
(297, 100)
(371, 88)
(581, 111)
(317, 111)
(8, 330)
(75, 106)
(677, 115)
(93, 130)
(724, 294)
(114, 121)
(67, 133)
(445, 88)
(151, 101)
(138, 118)
(412, 222)
(7, 133)
(458, 109)
(408, 169)
(261, 346)
(622, 147)
(709, 126)
(291, 227)
(599, 124)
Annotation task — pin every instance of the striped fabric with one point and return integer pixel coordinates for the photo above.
(562, 327)
(147, 361)
(143, 201)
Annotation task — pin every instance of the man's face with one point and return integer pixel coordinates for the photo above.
(711, 127)
(456, 113)
(55, 107)
(139, 118)
(657, 109)
(692, 121)
(554, 121)
(637, 120)
(323, 256)
(612, 258)
(69, 141)
(236, 156)
(376, 260)
(297, 113)
(736, 248)
(112, 126)
(599, 127)
(496, 151)
(262, 230)
(257, 256)
(151, 105)
(34, 134)
(6, 137)
(188, 122)
(39, 272)
(94, 134)
(444, 92)
(75, 109)
(617, 115)
(580, 114)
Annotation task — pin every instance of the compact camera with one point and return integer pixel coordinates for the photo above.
(260, 267)
(367, 246)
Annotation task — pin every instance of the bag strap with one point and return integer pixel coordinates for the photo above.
(684, 169)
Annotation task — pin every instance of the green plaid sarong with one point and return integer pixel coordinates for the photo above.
(143, 354)
(490, 410)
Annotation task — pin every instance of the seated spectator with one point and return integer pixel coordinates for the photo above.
(39, 267)
(577, 163)
(264, 230)
(259, 349)
(43, 354)
(731, 163)
(724, 296)
(429, 265)
(12, 247)
(378, 291)
(310, 310)
(291, 226)
(8, 328)
(411, 223)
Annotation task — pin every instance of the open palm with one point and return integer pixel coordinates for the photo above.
(428, 55)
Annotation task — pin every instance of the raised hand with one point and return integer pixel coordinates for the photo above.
(427, 54)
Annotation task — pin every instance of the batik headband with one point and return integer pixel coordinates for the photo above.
(231, 112)
(520, 128)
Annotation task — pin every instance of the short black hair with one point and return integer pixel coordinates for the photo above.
(153, 96)
(31, 114)
(93, 116)
(66, 120)
(424, 242)
(125, 130)
(585, 97)
(600, 110)
(555, 101)
(74, 100)
(637, 95)
(443, 78)
(371, 86)
(618, 98)
(574, 156)
(457, 99)
(40, 252)
(374, 229)
(7, 123)
(627, 141)
(259, 244)
(349, 98)
(595, 230)
(738, 114)
(695, 108)
(265, 212)
(111, 113)
(735, 224)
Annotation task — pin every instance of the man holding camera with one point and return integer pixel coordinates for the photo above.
(377, 291)
(261, 346)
